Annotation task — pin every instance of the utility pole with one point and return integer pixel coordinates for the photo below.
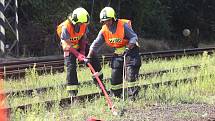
(16, 27)
(2, 29)
(12, 5)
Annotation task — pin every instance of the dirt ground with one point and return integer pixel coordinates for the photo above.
(179, 112)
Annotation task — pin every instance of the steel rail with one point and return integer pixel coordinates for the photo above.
(89, 82)
(64, 102)
(17, 68)
(146, 54)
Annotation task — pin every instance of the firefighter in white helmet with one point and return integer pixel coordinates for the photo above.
(119, 35)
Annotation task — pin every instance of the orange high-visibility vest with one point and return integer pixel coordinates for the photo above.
(116, 39)
(74, 37)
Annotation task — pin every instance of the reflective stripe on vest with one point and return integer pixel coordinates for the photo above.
(72, 87)
(76, 46)
(120, 50)
(115, 40)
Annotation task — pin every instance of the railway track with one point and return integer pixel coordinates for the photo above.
(29, 92)
(64, 102)
(17, 69)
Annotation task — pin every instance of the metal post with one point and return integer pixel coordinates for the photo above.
(16, 27)
(2, 29)
(4, 73)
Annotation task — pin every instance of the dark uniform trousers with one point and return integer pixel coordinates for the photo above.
(133, 63)
(72, 79)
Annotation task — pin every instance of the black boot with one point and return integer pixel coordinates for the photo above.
(133, 93)
(116, 93)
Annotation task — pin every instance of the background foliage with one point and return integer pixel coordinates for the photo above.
(151, 19)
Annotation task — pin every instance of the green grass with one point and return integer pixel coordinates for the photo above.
(200, 91)
(32, 80)
(14, 100)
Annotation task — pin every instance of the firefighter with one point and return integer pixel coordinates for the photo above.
(119, 35)
(73, 35)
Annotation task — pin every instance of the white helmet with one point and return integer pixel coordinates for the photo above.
(107, 13)
(79, 15)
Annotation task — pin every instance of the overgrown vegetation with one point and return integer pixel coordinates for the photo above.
(200, 90)
(154, 19)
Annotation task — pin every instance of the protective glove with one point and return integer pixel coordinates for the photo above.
(81, 57)
(78, 55)
(86, 60)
